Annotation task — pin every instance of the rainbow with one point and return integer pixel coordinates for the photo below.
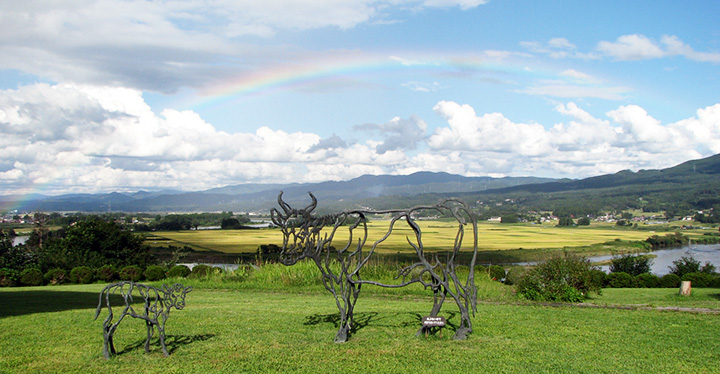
(346, 68)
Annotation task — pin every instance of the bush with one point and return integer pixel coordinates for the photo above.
(633, 265)
(647, 280)
(82, 274)
(106, 273)
(180, 271)
(131, 273)
(155, 273)
(8, 277)
(685, 265)
(597, 278)
(620, 280)
(56, 276)
(670, 281)
(698, 279)
(566, 278)
(514, 275)
(497, 272)
(31, 277)
(200, 271)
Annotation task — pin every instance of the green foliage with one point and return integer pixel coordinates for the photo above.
(106, 273)
(514, 274)
(10, 256)
(82, 274)
(633, 265)
(669, 240)
(670, 281)
(8, 277)
(497, 272)
(620, 280)
(200, 270)
(698, 279)
(179, 271)
(31, 277)
(647, 280)
(567, 278)
(509, 218)
(597, 278)
(155, 273)
(56, 276)
(94, 242)
(566, 221)
(583, 221)
(131, 273)
(688, 264)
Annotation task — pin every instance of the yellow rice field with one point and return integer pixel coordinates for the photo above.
(437, 235)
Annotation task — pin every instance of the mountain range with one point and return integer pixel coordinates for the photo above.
(697, 179)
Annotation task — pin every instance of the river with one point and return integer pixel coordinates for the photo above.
(665, 257)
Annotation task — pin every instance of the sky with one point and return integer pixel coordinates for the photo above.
(121, 96)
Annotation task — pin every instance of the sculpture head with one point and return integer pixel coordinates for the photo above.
(175, 295)
(299, 228)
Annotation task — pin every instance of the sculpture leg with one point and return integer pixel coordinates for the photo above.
(346, 304)
(465, 327)
(161, 334)
(107, 337)
(149, 336)
(438, 300)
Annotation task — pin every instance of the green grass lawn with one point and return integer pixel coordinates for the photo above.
(51, 329)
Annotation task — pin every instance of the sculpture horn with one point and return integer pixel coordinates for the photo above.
(312, 205)
(283, 204)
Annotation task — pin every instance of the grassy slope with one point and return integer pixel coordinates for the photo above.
(260, 331)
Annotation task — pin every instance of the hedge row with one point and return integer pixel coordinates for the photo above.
(648, 280)
(105, 274)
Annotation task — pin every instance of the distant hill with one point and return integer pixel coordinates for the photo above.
(691, 185)
(261, 197)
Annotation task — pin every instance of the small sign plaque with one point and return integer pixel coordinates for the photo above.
(437, 321)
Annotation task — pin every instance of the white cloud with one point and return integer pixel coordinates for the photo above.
(570, 91)
(640, 47)
(69, 138)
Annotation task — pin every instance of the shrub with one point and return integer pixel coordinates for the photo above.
(620, 280)
(698, 279)
(130, 273)
(597, 278)
(633, 265)
(82, 274)
(31, 277)
(154, 273)
(106, 273)
(566, 278)
(497, 272)
(56, 276)
(715, 282)
(647, 280)
(200, 271)
(179, 271)
(670, 281)
(8, 277)
(684, 265)
(514, 275)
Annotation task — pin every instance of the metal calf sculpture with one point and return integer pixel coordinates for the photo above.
(309, 236)
(155, 309)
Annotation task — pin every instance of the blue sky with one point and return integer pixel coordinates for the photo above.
(101, 95)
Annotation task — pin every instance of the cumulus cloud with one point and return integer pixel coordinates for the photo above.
(399, 134)
(71, 138)
(492, 144)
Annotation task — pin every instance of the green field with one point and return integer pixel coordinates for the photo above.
(51, 330)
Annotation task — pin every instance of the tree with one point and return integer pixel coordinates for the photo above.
(95, 242)
(584, 221)
(633, 265)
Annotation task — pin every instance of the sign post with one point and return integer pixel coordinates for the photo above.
(433, 321)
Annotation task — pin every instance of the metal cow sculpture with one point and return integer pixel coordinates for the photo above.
(309, 236)
(155, 310)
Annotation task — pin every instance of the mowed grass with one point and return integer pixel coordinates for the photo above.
(437, 235)
(51, 329)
